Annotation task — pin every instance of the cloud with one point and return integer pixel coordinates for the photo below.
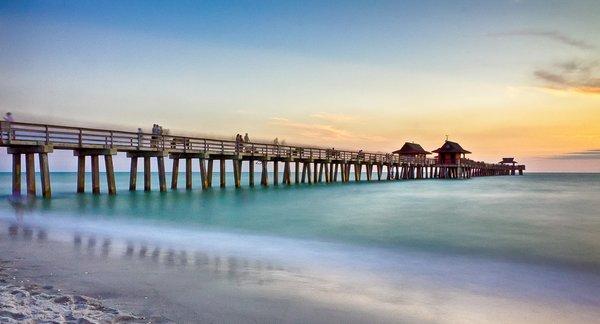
(582, 155)
(320, 131)
(578, 76)
(547, 34)
(333, 117)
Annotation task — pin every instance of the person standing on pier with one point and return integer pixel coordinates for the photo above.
(9, 119)
(139, 138)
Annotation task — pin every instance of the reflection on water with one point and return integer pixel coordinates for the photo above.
(229, 267)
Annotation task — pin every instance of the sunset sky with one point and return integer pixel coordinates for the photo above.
(503, 78)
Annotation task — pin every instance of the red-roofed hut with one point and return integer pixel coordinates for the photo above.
(413, 151)
(450, 153)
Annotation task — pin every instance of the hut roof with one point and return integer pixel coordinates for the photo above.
(508, 160)
(451, 147)
(411, 149)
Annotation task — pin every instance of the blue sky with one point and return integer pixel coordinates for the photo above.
(353, 73)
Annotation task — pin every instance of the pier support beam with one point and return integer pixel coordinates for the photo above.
(95, 175)
(286, 173)
(147, 174)
(209, 173)
(264, 178)
(203, 173)
(45, 175)
(188, 174)
(110, 175)
(94, 154)
(357, 171)
(237, 172)
(162, 181)
(222, 179)
(251, 173)
(17, 151)
(81, 174)
(175, 173)
(303, 172)
(297, 172)
(30, 172)
(320, 177)
(133, 174)
(335, 172)
(16, 174)
(276, 173)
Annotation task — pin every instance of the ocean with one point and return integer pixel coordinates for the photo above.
(511, 248)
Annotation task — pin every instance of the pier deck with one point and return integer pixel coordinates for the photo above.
(29, 139)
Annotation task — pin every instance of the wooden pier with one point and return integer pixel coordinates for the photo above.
(311, 164)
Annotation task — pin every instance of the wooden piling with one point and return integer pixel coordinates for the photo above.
(16, 175)
(303, 172)
(162, 181)
(357, 171)
(45, 175)
(133, 174)
(188, 174)
(251, 173)
(147, 174)
(30, 172)
(276, 173)
(95, 175)
(335, 172)
(315, 172)
(203, 173)
(110, 175)
(222, 173)
(286, 173)
(209, 173)
(320, 177)
(264, 178)
(297, 172)
(81, 173)
(237, 173)
(175, 173)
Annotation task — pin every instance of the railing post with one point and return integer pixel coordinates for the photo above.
(80, 137)
(47, 135)
(111, 139)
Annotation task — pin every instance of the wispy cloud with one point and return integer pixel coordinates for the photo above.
(547, 34)
(582, 155)
(575, 75)
(320, 131)
(329, 117)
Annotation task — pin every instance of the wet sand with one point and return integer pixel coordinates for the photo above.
(163, 282)
(166, 284)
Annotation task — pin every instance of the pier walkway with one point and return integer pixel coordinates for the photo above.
(310, 164)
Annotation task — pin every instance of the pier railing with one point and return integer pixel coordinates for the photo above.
(67, 137)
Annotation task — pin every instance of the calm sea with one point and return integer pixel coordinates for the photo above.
(464, 231)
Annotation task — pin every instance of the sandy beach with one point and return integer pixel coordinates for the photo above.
(31, 302)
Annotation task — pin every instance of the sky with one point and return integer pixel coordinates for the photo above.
(503, 78)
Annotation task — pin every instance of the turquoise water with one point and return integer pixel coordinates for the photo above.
(550, 219)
